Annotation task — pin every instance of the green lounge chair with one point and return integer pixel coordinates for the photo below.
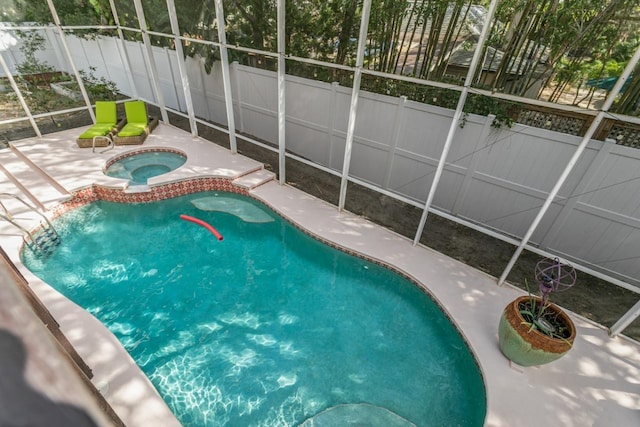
(106, 125)
(138, 126)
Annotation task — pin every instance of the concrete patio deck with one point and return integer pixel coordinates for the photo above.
(596, 384)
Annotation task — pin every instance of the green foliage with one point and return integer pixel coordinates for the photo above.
(549, 44)
(32, 42)
(35, 76)
(40, 98)
(446, 98)
(98, 88)
(611, 68)
(543, 319)
(505, 112)
(323, 30)
(70, 12)
(629, 101)
(540, 316)
(251, 23)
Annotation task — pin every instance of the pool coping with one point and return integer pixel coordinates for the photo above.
(592, 385)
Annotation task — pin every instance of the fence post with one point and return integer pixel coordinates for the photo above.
(603, 130)
(182, 69)
(353, 108)
(473, 163)
(104, 61)
(56, 46)
(585, 182)
(238, 92)
(201, 73)
(172, 78)
(398, 130)
(482, 39)
(151, 63)
(122, 51)
(226, 81)
(331, 108)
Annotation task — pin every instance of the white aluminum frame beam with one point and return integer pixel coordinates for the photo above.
(455, 121)
(625, 320)
(21, 100)
(153, 69)
(124, 55)
(67, 51)
(282, 117)
(182, 69)
(226, 79)
(353, 108)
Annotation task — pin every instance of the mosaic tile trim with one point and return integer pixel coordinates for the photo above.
(160, 192)
(144, 150)
(78, 198)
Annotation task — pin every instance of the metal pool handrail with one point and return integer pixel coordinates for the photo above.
(49, 230)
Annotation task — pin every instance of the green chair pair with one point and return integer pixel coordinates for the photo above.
(107, 130)
(107, 125)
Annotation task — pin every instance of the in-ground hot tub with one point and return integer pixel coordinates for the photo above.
(140, 165)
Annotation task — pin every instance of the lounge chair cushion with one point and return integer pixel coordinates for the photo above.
(99, 129)
(132, 129)
(106, 112)
(136, 112)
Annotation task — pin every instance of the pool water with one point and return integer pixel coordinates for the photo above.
(267, 327)
(139, 167)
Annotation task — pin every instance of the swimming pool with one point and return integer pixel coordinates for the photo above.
(266, 327)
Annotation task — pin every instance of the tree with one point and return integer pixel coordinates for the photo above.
(556, 45)
(70, 12)
(557, 40)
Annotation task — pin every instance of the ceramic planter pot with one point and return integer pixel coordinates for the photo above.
(529, 347)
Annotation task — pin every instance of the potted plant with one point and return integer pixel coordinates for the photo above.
(533, 331)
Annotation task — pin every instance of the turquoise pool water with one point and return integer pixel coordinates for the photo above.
(267, 327)
(139, 167)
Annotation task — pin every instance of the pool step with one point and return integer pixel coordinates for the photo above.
(140, 188)
(29, 181)
(254, 179)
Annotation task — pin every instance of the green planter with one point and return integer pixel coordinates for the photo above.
(529, 347)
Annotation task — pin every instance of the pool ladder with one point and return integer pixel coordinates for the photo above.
(47, 238)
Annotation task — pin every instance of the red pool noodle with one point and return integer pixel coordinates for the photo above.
(202, 223)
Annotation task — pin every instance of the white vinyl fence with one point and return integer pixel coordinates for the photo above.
(497, 178)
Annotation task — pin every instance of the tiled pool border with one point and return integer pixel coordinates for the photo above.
(156, 193)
